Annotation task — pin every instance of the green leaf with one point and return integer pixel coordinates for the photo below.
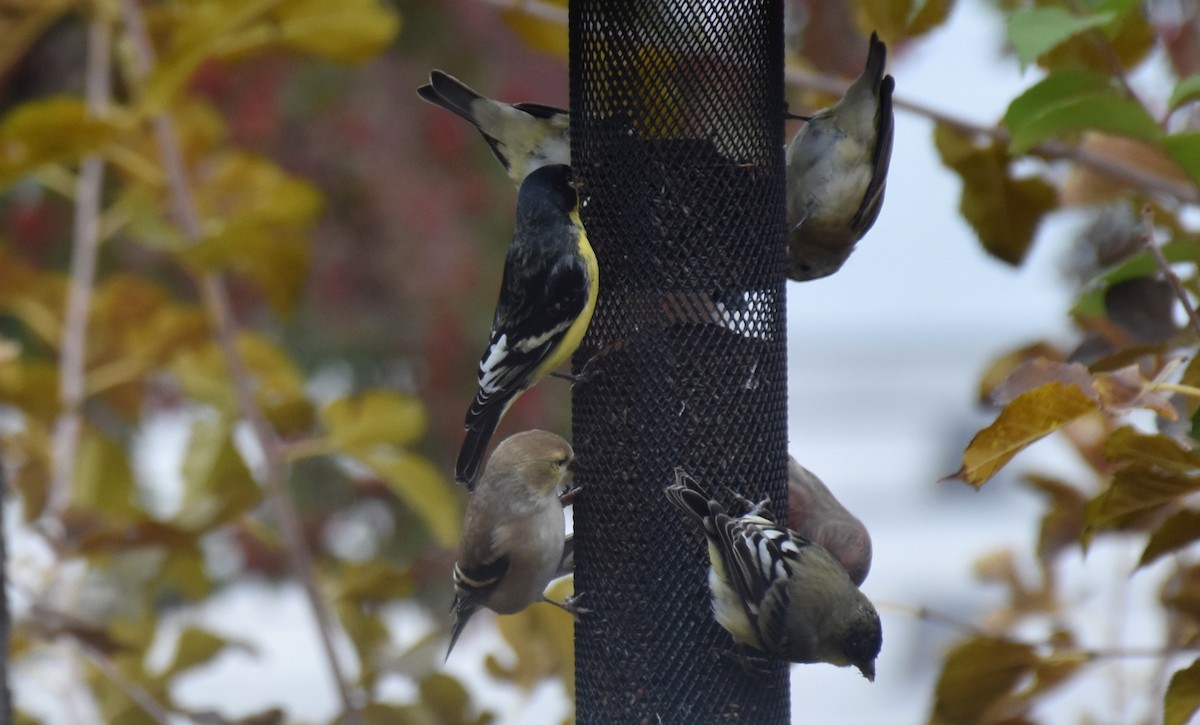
(1034, 31)
(197, 647)
(1183, 696)
(1185, 91)
(50, 130)
(1004, 212)
(422, 487)
(104, 483)
(218, 486)
(976, 674)
(1073, 101)
(1184, 149)
(1028, 418)
(1178, 531)
(375, 417)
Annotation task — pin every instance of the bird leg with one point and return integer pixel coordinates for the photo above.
(751, 662)
(569, 606)
(568, 497)
(754, 509)
(582, 376)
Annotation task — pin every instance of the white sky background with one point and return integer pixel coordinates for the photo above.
(884, 359)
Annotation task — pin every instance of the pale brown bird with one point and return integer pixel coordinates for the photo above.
(514, 539)
(816, 514)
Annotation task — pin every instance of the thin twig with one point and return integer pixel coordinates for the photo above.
(216, 301)
(85, 242)
(1165, 267)
(151, 706)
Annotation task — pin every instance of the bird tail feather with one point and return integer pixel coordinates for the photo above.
(470, 455)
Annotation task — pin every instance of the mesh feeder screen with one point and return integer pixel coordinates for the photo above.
(677, 140)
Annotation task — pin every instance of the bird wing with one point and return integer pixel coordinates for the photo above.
(760, 567)
(531, 319)
(473, 583)
(537, 110)
(872, 200)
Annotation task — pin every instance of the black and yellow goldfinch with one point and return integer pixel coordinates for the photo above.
(777, 591)
(837, 166)
(523, 136)
(513, 543)
(546, 301)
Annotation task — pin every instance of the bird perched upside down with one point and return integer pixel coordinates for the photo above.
(815, 514)
(837, 166)
(547, 296)
(778, 592)
(523, 136)
(514, 542)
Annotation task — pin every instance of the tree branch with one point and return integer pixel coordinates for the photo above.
(1165, 267)
(216, 301)
(85, 242)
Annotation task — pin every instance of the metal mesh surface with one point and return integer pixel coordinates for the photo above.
(677, 138)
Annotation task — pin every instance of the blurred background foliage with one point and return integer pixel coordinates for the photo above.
(309, 297)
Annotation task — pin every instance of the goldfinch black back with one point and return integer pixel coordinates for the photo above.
(522, 136)
(778, 592)
(547, 296)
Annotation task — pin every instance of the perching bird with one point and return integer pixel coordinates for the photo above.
(837, 166)
(514, 542)
(779, 592)
(546, 300)
(815, 514)
(523, 136)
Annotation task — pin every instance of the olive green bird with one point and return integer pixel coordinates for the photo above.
(778, 592)
(523, 136)
(837, 165)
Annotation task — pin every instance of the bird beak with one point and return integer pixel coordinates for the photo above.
(868, 670)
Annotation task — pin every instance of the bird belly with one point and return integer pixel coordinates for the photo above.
(727, 607)
(574, 334)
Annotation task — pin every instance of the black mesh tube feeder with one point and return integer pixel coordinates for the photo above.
(677, 141)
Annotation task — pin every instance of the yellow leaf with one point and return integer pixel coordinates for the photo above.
(350, 31)
(257, 219)
(196, 31)
(218, 486)
(976, 675)
(51, 130)
(422, 487)
(543, 639)
(104, 484)
(1029, 417)
(278, 386)
(1183, 696)
(375, 417)
(538, 32)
